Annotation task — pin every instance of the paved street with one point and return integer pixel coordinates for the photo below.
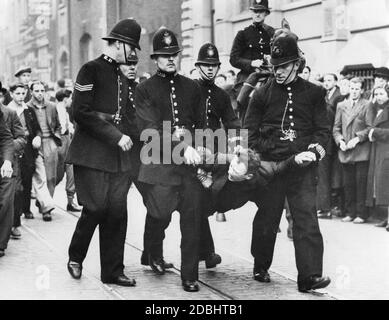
(35, 267)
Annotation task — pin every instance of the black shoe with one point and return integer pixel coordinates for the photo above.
(122, 281)
(314, 283)
(262, 275)
(16, 234)
(75, 269)
(190, 286)
(382, 224)
(324, 215)
(387, 228)
(73, 208)
(47, 217)
(144, 261)
(2, 253)
(29, 216)
(157, 265)
(212, 260)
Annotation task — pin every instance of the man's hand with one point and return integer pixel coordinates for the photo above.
(37, 142)
(257, 63)
(191, 156)
(125, 143)
(304, 159)
(6, 170)
(353, 143)
(343, 146)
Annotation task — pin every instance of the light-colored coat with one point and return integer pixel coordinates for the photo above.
(349, 124)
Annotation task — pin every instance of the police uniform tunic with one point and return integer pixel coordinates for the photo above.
(103, 111)
(284, 120)
(174, 99)
(250, 44)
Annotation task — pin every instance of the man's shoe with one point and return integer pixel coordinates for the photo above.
(382, 224)
(337, 212)
(144, 261)
(212, 260)
(324, 215)
(348, 219)
(157, 265)
(122, 281)
(73, 208)
(262, 275)
(29, 216)
(190, 286)
(314, 283)
(16, 234)
(2, 253)
(75, 269)
(359, 221)
(47, 216)
(387, 228)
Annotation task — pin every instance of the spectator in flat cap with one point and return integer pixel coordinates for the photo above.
(23, 76)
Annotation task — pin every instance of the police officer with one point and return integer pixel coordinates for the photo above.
(101, 154)
(130, 71)
(288, 116)
(168, 105)
(216, 110)
(253, 43)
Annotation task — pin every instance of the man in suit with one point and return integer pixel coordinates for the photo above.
(167, 107)
(288, 116)
(6, 184)
(101, 153)
(323, 201)
(28, 158)
(351, 135)
(252, 44)
(13, 123)
(50, 134)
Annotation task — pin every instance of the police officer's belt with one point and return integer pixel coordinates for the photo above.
(105, 116)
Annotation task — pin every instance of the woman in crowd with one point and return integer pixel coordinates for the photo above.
(377, 118)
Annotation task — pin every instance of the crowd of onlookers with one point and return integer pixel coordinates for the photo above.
(39, 120)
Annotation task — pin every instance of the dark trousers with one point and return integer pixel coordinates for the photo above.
(323, 198)
(207, 245)
(104, 198)
(299, 187)
(7, 193)
(190, 209)
(27, 170)
(355, 184)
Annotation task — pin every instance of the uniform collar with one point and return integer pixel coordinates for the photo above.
(165, 75)
(108, 59)
(206, 83)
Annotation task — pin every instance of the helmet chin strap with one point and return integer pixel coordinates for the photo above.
(204, 75)
(125, 53)
(290, 73)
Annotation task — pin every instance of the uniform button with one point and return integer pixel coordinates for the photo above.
(173, 89)
(210, 91)
(174, 96)
(176, 111)
(292, 124)
(290, 102)
(291, 109)
(177, 119)
(250, 46)
(175, 104)
(132, 100)
(171, 81)
(289, 88)
(209, 111)
(291, 117)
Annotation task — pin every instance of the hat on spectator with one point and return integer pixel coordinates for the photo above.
(382, 72)
(165, 43)
(22, 70)
(126, 31)
(260, 5)
(208, 54)
(284, 50)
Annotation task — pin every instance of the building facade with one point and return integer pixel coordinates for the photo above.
(333, 33)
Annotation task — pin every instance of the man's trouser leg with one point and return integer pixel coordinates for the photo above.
(104, 198)
(7, 192)
(39, 182)
(323, 198)
(70, 185)
(308, 241)
(50, 156)
(207, 245)
(270, 202)
(18, 201)
(27, 172)
(190, 209)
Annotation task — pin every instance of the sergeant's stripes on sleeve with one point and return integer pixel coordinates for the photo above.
(83, 88)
